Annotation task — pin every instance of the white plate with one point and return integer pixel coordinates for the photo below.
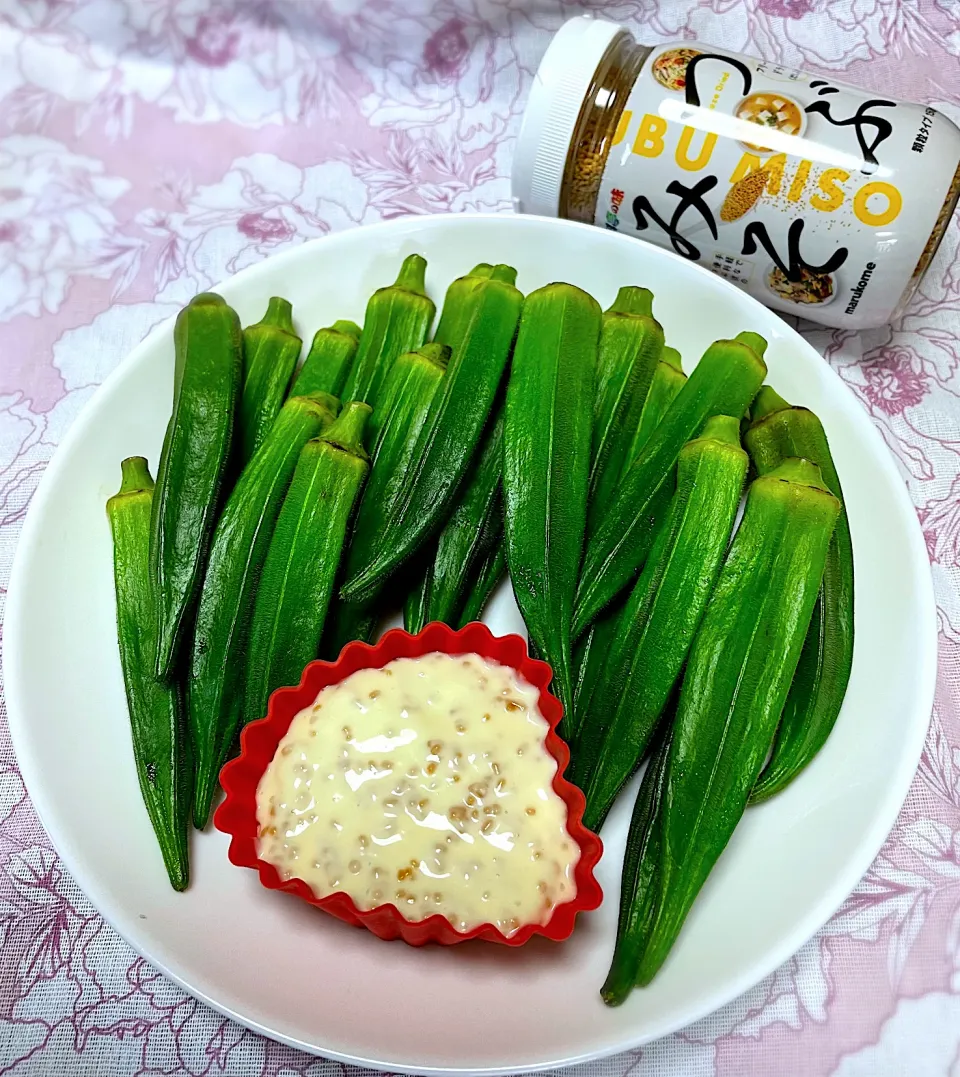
(290, 972)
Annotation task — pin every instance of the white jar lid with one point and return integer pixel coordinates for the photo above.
(556, 98)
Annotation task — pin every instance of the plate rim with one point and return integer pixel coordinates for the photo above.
(820, 912)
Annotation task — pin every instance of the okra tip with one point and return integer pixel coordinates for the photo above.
(767, 401)
(770, 782)
(413, 274)
(134, 475)
(178, 872)
(203, 791)
(280, 314)
(632, 299)
(619, 982)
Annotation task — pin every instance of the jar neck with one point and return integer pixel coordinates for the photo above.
(597, 125)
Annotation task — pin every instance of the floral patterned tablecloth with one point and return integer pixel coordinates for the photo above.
(149, 148)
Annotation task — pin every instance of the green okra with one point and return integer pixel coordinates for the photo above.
(668, 380)
(630, 346)
(724, 382)
(736, 681)
(454, 318)
(767, 401)
(486, 577)
(589, 654)
(347, 622)
(397, 320)
(547, 438)
(449, 329)
(458, 302)
(466, 538)
(237, 554)
(271, 349)
(415, 605)
(593, 644)
(638, 884)
(157, 726)
(328, 362)
(208, 374)
(398, 419)
(632, 299)
(823, 672)
(404, 402)
(304, 556)
(459, 411)
(643, 660)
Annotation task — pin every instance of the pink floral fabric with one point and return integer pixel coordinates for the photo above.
(149, 148)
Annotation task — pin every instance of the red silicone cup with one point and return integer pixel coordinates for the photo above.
(237, 815)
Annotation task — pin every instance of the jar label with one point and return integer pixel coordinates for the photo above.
(816, 198)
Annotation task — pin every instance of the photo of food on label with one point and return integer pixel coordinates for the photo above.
(773, 110)
(810, 288)
(670, 67)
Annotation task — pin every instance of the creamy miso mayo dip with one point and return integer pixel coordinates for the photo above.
(426, 785)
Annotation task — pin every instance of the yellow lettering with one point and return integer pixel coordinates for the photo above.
(773, 166)
(799, 181)
(622, 124)
(683, 150)
(831, 193)
(649, 140)
(748, 163)
(718, 89)
(885, 190)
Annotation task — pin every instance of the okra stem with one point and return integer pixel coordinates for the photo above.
(633, 300)
(279, 313)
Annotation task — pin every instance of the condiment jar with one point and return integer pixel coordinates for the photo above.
(815, 197)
